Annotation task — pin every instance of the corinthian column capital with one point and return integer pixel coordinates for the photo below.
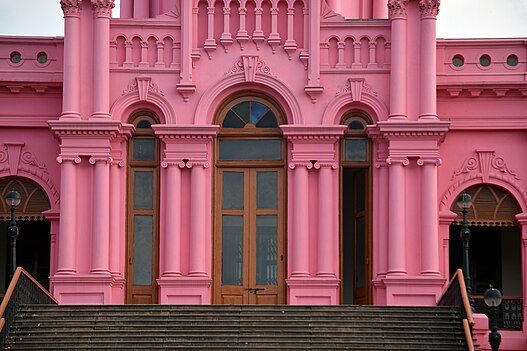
(397, 8)
(71, 8)
(429, 8)
(103, 8)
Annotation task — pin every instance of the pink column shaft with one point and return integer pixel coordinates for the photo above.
(300, 248)
(398, 74)
(127, 8)
(428, 108)
(396, 212)
(325, 222)
(173, 221)
(68, 235)
(382, 234)
(380, 10)
(141, 9)
(430, 213)
(198, 214)
(115, 221)
(72, 71)
(101, 217)
(314, 44)
(101, 70)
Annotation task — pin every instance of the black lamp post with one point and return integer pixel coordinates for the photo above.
(492, 298)
(13, 199)
(464, 201)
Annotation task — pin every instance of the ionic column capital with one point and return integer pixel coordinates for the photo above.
(198, 163)
(326, 164)
(429, 8)
(172, 163)
(397, 9)
(403, 161)
(103, 159)
(296, 164)
(436, 161)
(74, 159)
(71, 8)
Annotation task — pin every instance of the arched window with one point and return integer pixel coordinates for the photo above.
(355, 210)
(143, 210)
(249, 211)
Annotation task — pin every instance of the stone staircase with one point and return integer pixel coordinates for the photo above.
(154, 327)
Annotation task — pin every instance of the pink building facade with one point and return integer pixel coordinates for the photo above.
(265, 151)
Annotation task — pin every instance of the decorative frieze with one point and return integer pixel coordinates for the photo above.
(143, 86)
(356, 86)
(250, 65)
(483, 161)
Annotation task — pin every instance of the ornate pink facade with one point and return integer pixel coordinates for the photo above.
(442, 116)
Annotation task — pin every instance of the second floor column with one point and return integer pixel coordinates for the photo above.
(396, 216)
(173, 218)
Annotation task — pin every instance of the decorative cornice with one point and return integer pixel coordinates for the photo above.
(397, 8)
(103, 8)
(250, 65)
(167, 132)
(313, 132)
(482, 162)
(71, 8)
(429, 8)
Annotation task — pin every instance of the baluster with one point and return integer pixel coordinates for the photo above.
(356, 55)
(274, 37)
(128, 54)
(242, 36)
(373, 59)
(290, 43)
(143, 62)
(113, 52)
(258, 35)
(210, 43)
(341, 62)
(160, 53)
(226, 38)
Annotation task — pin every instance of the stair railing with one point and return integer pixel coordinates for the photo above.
(456, 295)
(23, 289)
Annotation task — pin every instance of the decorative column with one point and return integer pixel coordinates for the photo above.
(210, 43)
(522, 220)
(326, 221)
(172, 249)
(300, 244)
(290, 43)
(115, 216)
(226, 37)
(429, 10)
(396, 216)
(274, 37)
(101, 215)
(399, 74)
(186, 87)
(101, 58)
(429, 217)
(67, 242)
(242, 36)
(141, 9)
(72, 66)
(313, 88)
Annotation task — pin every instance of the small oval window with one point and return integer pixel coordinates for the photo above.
(484, 60)
(42, 57)
(16, 57)
(458, 61)
(512, 60)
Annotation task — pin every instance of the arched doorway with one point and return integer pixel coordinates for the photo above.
(355, 214)
(33, 242)
(495, 249)
(249, 205)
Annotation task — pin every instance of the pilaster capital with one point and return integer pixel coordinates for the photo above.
(69, 158)
(436, 161)
(103, 8)
(403, 161)
(198, 163)
(397, 9)
(429, 8)
(71, 8)
(103, 159)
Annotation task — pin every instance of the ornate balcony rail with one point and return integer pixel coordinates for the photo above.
(510, 312)
(456, 295)
(23, 289)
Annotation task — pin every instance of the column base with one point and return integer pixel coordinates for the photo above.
(313, 291)
(184, 290)
(410, 290)
(87, 289)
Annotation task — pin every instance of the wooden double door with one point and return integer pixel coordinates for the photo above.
(249, 236)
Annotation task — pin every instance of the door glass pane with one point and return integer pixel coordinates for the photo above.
(359, 252)
(262, 149)
(143, 186)
(356, 150)
(266, 190)
(142, 250)
(232, 190)
(266, 250)
(232, 250)
(144, 149)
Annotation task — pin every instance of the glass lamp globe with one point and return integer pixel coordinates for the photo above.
(464, 201)
(492, 297)
(13, 198)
